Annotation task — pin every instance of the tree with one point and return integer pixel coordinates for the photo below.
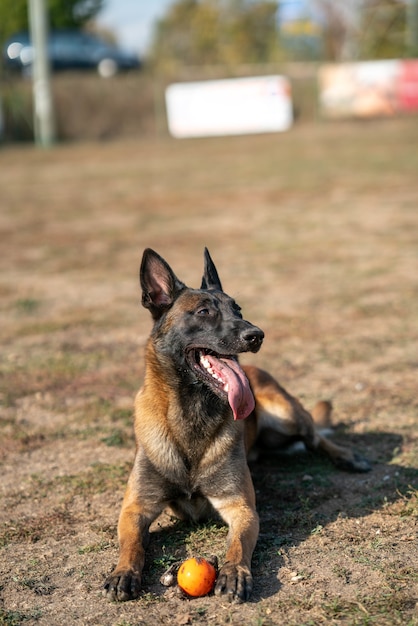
(209, 32)
(382, 32)
(62, 14)
(251, 32)
(335, 30)
(365, 29)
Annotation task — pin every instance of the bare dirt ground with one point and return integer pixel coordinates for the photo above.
(315, 233)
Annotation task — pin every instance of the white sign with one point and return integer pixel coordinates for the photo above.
(236, 106)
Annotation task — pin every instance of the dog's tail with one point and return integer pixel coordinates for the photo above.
(321, 414)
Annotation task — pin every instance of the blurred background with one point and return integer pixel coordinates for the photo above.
(168, 41)
(313, 230)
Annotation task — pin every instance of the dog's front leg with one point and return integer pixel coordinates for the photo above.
(124, 582)
(238, 511)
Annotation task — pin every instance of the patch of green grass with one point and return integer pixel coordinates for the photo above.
(182, 540)
(41, 585)
(40, 373)
(396, 575)
(268, 553)
(31, 322)
(27, 306)
(164, 560)
(54, 523)
(125, 416)
(99, 478)
(65, 366)
(16, 618)
(342, 572)
(406, 505)
(149, 599)
(387, 609)
(117, 438)
(207, 539)
(166, 547)
(42, 327)
(367, 558)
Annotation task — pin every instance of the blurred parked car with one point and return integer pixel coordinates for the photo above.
(70, 49)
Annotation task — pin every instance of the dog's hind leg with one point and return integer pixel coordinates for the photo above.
(343, 457)
(282, 420)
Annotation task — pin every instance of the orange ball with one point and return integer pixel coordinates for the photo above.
(196, 576)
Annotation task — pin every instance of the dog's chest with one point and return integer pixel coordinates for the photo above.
(191, 467)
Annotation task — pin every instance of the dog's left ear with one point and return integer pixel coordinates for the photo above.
(160, 286)
(210, 278)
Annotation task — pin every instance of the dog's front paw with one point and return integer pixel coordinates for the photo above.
(122, 586)
(235, 582)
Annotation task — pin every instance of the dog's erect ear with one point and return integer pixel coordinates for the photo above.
(210, 278)
(160, 286)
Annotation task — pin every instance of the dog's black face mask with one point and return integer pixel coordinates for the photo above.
(205, 329)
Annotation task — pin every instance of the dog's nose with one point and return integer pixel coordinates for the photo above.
(253, 337)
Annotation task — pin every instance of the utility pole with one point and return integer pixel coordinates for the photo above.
(44, 124)
(412, 27)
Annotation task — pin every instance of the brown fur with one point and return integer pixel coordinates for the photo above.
(191, 453)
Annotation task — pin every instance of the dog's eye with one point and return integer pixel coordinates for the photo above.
(203, 311)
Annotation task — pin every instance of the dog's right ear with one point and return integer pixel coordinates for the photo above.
(160, 286)
(210, 278)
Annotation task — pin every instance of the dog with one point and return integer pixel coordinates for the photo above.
(197, 416)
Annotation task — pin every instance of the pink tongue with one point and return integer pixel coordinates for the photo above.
(240, 396)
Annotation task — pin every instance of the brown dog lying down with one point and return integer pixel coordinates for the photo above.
(197, 416)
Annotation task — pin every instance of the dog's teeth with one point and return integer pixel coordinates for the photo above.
(206, 364)
(204, 361)
(226, 388)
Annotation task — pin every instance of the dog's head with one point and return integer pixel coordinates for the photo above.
(200, 330)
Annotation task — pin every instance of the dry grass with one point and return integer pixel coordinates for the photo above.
(315, 233)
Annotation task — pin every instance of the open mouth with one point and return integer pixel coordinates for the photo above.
(225, 377)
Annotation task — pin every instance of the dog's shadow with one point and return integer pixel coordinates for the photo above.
(298, 494)
(301, 493)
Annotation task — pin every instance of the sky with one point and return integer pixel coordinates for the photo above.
(132, 21)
